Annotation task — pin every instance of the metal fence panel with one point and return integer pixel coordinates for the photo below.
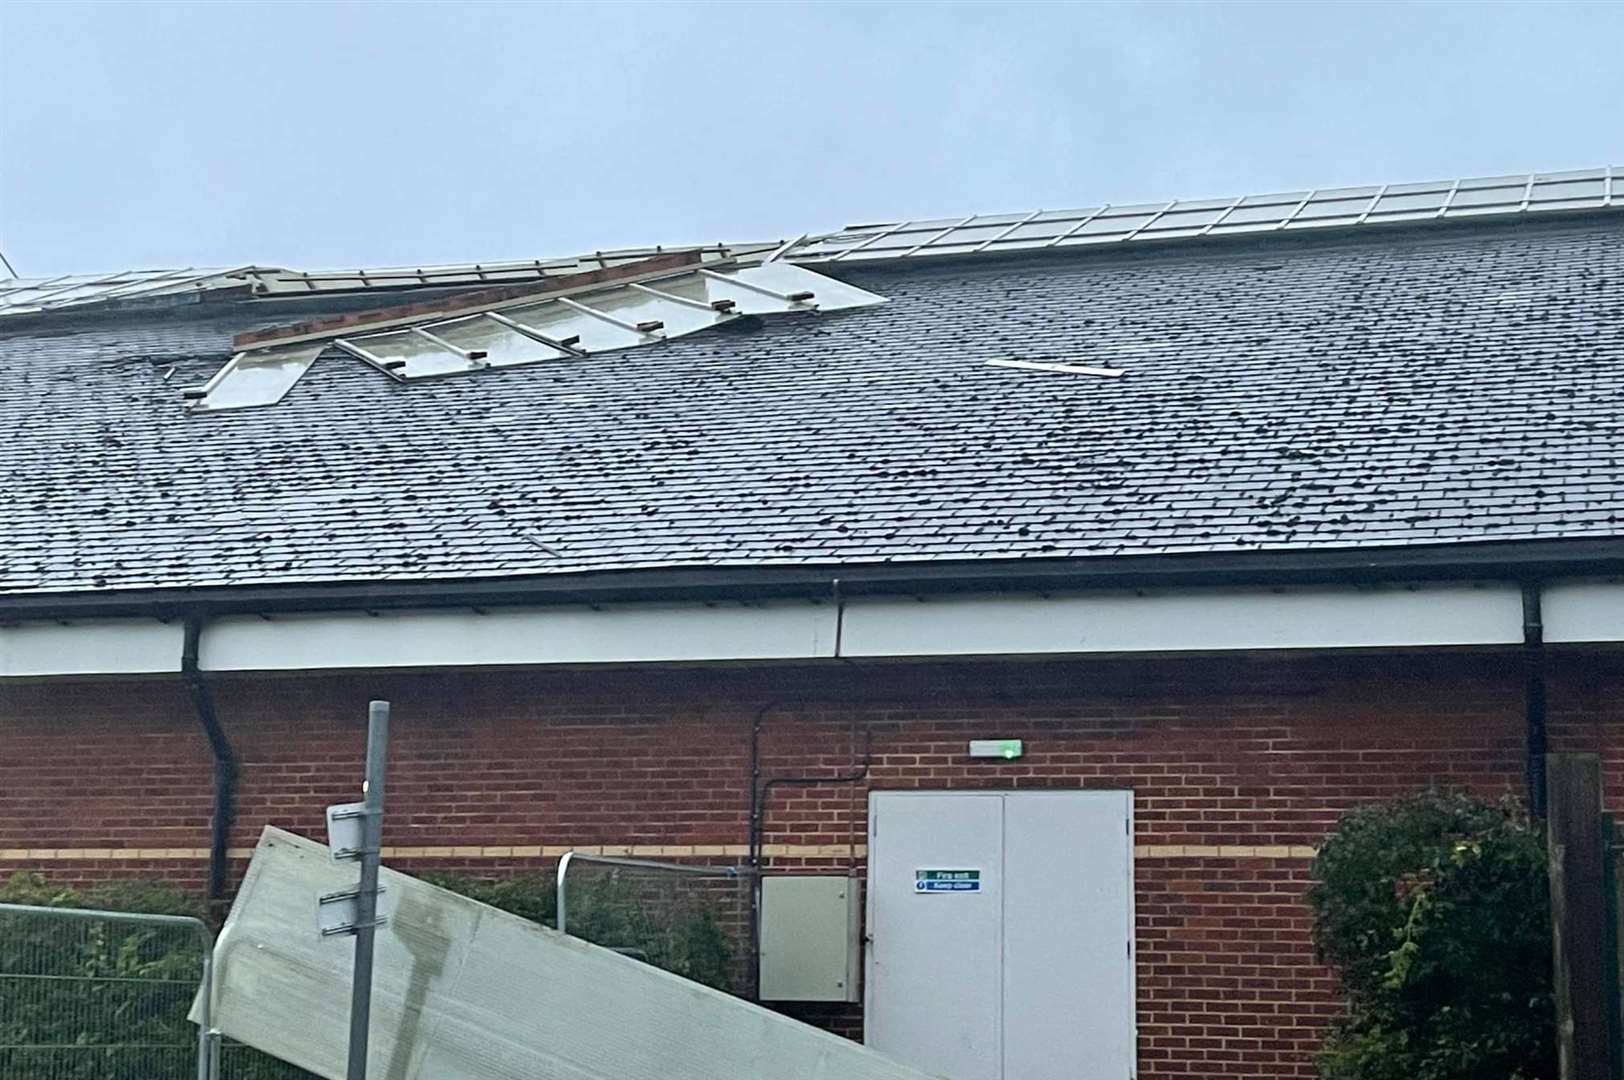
(89, 995)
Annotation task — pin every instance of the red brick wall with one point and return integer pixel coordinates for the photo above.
(1253, 755)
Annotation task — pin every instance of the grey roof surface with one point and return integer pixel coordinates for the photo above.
(1373, 388)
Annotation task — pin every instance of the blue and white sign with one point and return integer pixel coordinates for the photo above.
(947, 881)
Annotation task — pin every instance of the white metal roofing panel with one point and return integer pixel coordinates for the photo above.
(463, 990)
(1590, 189)
(30, 296)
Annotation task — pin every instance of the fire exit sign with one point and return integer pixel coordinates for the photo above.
(934, 881)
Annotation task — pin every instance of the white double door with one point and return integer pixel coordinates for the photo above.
(1000, 933)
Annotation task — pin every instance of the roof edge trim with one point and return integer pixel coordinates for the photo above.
(1523, 560)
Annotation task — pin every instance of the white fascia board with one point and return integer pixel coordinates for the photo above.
(1184, 621)
(1174, 621)
(99, 647)
(1583, 611)
(559, 635)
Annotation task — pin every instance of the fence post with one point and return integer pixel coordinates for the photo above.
(1614, 854)
(1578, 916)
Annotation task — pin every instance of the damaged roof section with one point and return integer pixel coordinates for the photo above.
(140, 288)
(38, 296)
(1347, 390)
(638, 303)
(1181, 219)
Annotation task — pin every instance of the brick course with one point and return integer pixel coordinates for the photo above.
(1238, 764)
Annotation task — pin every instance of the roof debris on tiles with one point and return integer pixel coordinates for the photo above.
(635, 303)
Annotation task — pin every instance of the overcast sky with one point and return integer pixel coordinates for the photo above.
(142, 135)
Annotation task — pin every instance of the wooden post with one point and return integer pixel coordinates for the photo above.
(1578, 916)
(1614, 875)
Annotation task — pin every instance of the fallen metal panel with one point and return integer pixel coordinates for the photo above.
(462, 991)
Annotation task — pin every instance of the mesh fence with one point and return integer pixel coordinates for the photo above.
(85, 996)
(693, 921)
(97, 999)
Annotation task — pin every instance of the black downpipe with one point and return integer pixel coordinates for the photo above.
(759, 794)
(1534, 697)
(225, 767)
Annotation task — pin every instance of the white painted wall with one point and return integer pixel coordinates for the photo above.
(110, 646)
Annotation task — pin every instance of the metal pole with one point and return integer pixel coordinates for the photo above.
(205, 1018)
(563, 914)
(366, 903)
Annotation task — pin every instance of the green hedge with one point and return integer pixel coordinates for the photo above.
(606, 909)
(1434, 912)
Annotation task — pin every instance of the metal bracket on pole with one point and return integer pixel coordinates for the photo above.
(355, 832)
(337, 912)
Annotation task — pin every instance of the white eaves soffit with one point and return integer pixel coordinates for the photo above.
(1075, 624)
(599, 319)
(91, 647)
(1184, 621)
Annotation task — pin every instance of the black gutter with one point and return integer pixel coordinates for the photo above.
(225, 768)
(1534, 698)
(1509, 561)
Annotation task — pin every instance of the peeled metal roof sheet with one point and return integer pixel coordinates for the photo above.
(1037, 230)
(32, 296)
(39, 295)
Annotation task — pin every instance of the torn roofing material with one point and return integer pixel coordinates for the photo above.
(46, 295)
(35, 296)
(1357, 389)
(640, 303)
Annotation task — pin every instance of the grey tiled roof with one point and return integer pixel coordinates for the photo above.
(1451, 384)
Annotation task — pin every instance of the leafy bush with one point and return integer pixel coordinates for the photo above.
(100, 1000)
(1434, 912)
